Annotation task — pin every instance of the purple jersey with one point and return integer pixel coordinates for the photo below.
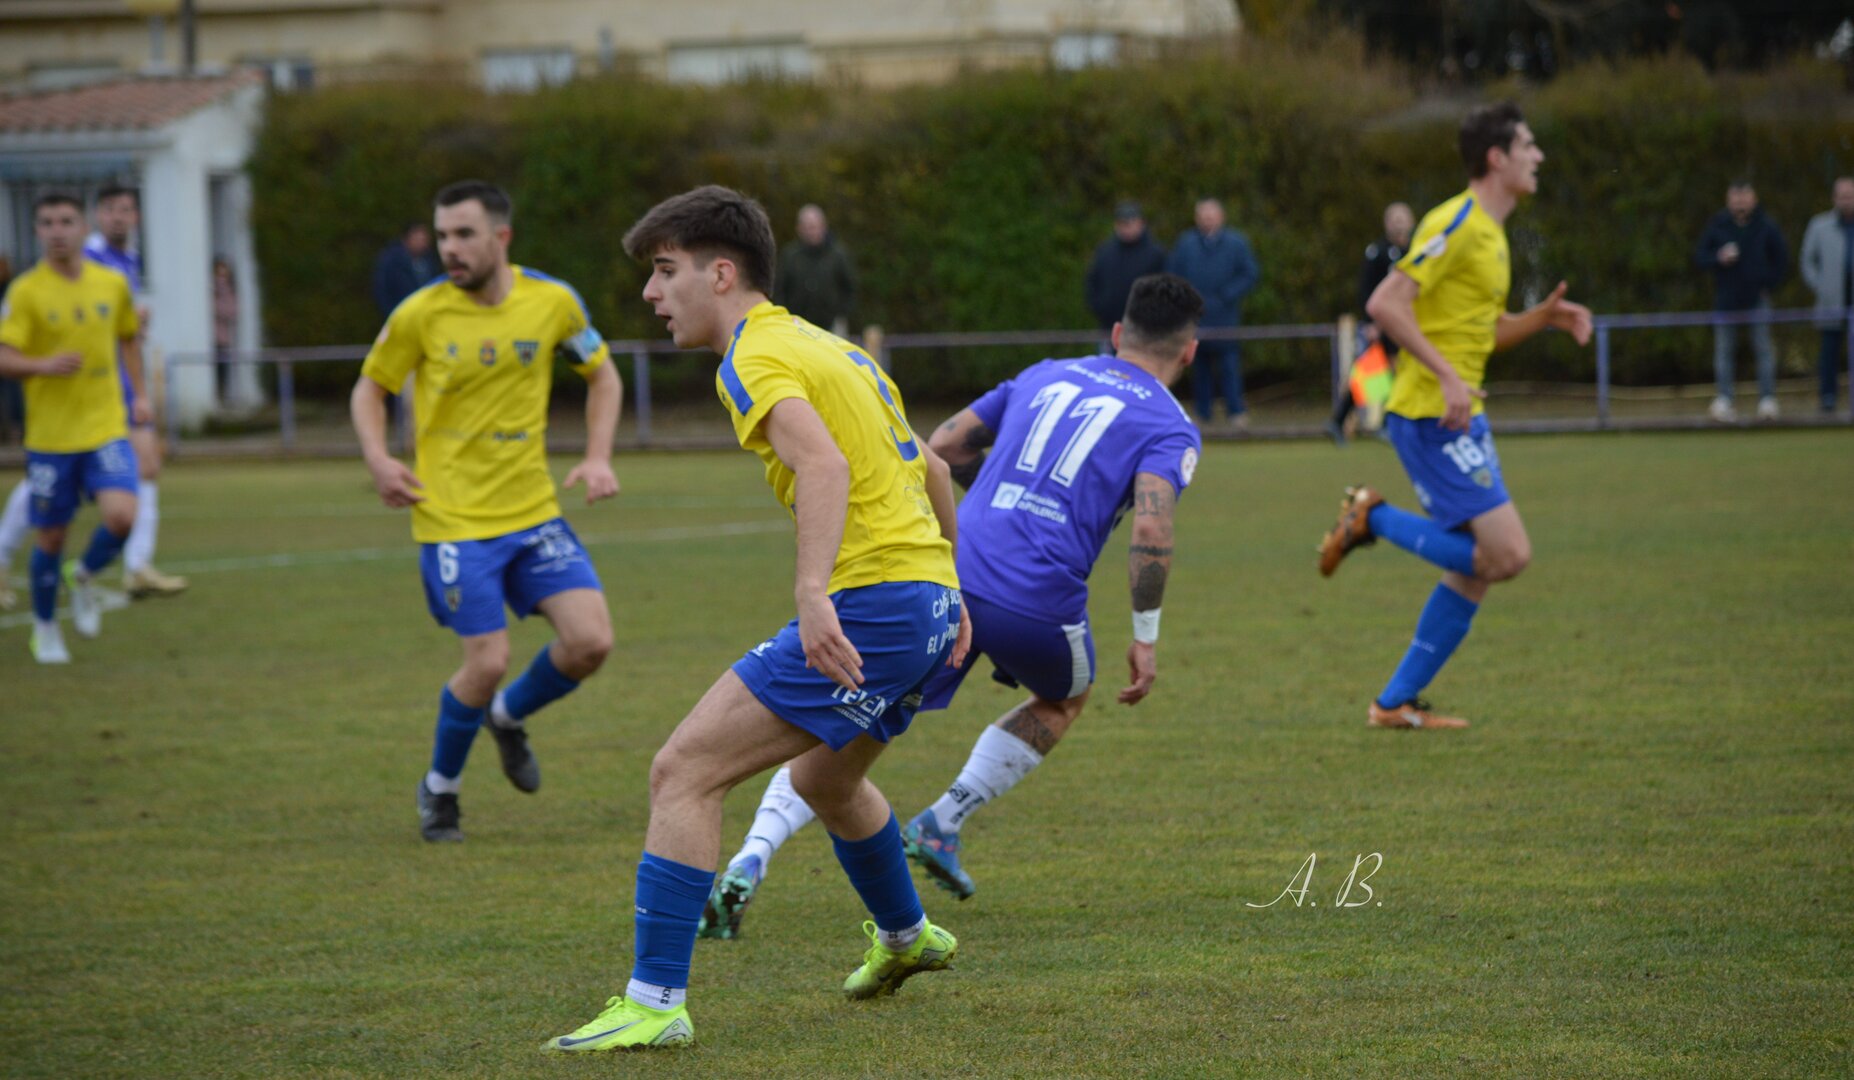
(124, 261)
(1071, 436)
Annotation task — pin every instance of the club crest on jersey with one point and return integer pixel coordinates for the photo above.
(1484, 477)
(450, 349)
(487, 353)
(453, 596)
(1187, 466)
(525, 350)
(103, 312)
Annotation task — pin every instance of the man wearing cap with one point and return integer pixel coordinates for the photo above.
(1121, 259)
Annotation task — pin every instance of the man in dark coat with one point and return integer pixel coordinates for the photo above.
(1217, 261)
(1746, 254)
(1120, 260)
(405, 266)
(815, 280)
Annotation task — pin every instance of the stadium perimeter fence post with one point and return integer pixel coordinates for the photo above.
(286, 404)
(1339, 336)
(170, 399)
(1602, 373)
(640, 393)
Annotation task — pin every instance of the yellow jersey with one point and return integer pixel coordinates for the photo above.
(890, 532)
(483, 377)
(45, 314)
(1459, 258)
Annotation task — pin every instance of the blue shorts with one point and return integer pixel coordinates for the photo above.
(903, 630)
(1054, 661)
(1456, 475)
(468, 582)
(60, 481)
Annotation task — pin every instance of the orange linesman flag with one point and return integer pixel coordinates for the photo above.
(1371, 377)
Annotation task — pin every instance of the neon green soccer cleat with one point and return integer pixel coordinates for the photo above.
(883, 971)
(626, 1025)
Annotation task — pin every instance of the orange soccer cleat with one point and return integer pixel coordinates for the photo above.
(1352, 530)
(1411, 714)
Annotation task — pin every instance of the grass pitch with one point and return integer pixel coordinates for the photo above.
(1636, 863)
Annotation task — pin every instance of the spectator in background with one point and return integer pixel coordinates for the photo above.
(1827, 265)
(405, 266)
(1120, 260)
(1747, 256)
(224, 322)
(815, 280)
(1216, 260)
(1380, 256)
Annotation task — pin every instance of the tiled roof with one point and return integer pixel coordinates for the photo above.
(124, 105)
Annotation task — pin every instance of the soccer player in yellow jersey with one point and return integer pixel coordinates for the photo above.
(481, 343)
(878, 611)
(61, 328)
(1445, 304)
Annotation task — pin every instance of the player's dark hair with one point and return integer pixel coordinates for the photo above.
(116, 191)
(57, 198)
(496, 202)
(1490, 127)
(1162, 313)
(707, 222)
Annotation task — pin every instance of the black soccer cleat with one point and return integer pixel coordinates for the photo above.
(438, 815)
(518, 762)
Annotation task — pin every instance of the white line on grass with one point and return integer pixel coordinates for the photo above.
(113, 601)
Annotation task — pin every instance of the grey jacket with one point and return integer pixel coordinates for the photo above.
(1823, 262)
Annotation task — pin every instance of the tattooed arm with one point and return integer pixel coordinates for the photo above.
(962, 442)
(1149, 563)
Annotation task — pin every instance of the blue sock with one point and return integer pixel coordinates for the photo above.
(670, 896)
(44, 570)
(104, 547)
(541, 685)
(879, 871)
(1449, 549)
(457, 724)
(1445, 621)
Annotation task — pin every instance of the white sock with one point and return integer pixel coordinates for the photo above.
(652, 996)
(499, 713)
(439, 784)
(139, 551)
(999, 759)
(899, 940)
(781, 814)
(14, 523)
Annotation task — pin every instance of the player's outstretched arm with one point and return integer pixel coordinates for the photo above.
(1393, 307)
(1553, 312)
(961, 442)
(1149, 564)
(17, 365)
(821, 497)
(398, 485)
(604, 403)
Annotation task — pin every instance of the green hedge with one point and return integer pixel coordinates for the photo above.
(977, 205)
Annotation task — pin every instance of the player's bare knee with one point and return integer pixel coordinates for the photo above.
(586, 651)
(119, 519)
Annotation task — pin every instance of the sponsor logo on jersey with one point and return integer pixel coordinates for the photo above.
(1187, 466)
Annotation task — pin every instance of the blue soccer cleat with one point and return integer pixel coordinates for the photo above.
(937, 853)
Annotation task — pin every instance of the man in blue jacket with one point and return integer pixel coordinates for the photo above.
(1745, 251)
(1123, 258)
(1217, 260)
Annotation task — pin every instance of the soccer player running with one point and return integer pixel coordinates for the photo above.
(1445, 305)
(66, 327)
(878, 612)
(118, 215)
(1074, 444)
(482, 342)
